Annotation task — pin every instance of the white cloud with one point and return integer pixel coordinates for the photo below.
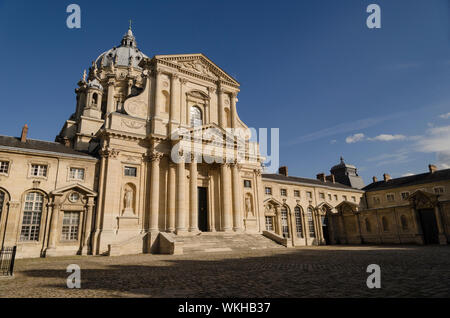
(445, 116)
(397, 157)
(436, 140)
(354, 138)
(387, 137)
(407, 174)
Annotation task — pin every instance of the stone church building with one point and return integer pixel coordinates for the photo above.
(155, 159)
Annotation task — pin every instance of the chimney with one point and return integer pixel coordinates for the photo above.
(386, 177)
(331, 178)
(283, 171)
(321, 177)
(374, 179)
(23, 137)
(432, 168)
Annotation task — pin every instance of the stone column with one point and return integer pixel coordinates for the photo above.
(418, 226)
(86, 248)
(55, 208)
(157, 110)
(222, 119)
(110, 107)
(226, 197)
(193, 200)
(233, 110)
(174, 113)
(237, 213)
(154, 191)
(442, 237)
(171, 197)
(180, 204)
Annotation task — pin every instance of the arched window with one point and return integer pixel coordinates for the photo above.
(385, 224)
(284, 222)
(368, 228)
(312, 229)
(32, 217)
(196, 116)
(298, 222)
(404, 222)
(2, 202)
(94, 99)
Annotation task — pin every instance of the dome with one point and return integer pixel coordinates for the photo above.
(124, 55)
(341, 165)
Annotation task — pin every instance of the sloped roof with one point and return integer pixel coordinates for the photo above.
(280, 177)
(439, 175)
(32, 145)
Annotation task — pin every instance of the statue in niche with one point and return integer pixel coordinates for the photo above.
(128, 201)
(248, 207)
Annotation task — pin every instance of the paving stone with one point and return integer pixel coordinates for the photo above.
(324, 271)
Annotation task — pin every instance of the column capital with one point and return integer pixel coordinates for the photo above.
(257, 172)
(211, 89)
(108, 152)
(156, 72)
(174, 76)
(155, 156)
(183, 80)
(233, 94)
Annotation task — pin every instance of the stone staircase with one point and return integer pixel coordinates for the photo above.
(224, 242)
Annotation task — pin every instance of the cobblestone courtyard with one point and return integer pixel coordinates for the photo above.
(337, 271)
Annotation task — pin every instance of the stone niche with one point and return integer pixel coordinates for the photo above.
(128, 218)
(250, 220)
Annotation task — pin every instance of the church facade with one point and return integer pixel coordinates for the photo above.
(155, 151)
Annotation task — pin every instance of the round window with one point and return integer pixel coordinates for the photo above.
(74, 197)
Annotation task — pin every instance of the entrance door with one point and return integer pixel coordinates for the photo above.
(325, 231)
(429, 226)
(203, 209)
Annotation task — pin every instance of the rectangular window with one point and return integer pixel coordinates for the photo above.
(269, 223)
(268, 191)
(405, 196)
(335, 197)
(322, 195)
(344, 197)
(39, 170)
(390, 197)
(309, 194)
(130, 171)
(354, 199)
(31, 221)
(283, 192)
(76, 174)
(297, 193)
(71, 222)
(376, 200)
(4, 167)
(247, 184)
(329, 197)
(439, 190)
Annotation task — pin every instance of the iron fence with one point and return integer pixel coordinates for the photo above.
(7, 256)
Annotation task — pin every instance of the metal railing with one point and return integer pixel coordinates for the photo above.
(7, 257)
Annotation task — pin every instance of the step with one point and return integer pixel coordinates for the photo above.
(224, 242)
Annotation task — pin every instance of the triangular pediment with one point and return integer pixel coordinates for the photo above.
(347, 207)
(198, 64)
(77, 187)
(212, 133)
(423, 199)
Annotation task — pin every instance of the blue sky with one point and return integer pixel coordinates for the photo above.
(378, 97)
